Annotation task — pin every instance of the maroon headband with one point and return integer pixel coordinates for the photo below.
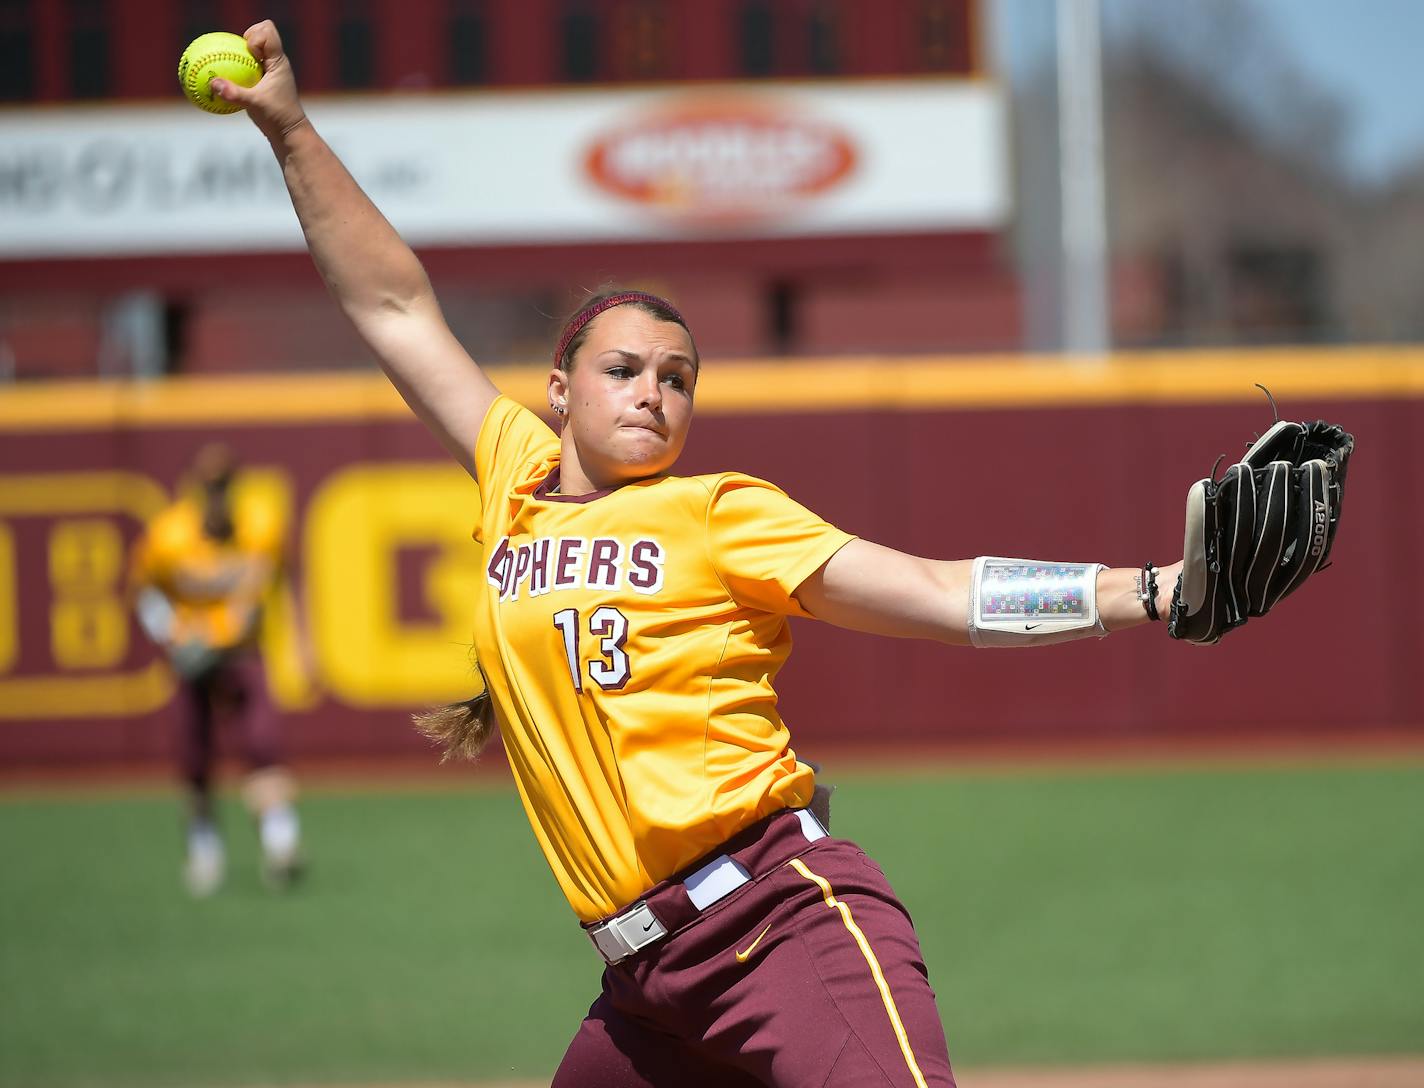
(588, 313)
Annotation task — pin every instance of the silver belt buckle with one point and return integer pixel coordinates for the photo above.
(633, 930)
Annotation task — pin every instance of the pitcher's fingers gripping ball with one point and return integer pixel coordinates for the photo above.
(1256, 535)
(216, 56)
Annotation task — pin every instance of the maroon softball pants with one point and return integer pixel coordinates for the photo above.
(235, 687)
(810, 975)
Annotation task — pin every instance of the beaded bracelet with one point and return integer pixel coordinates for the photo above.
(1147, 590)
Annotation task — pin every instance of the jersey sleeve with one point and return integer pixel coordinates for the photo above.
(161, 548)
(260, 527)
(763, 544)
(511, 439)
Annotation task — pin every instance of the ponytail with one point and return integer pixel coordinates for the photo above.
(461, 729)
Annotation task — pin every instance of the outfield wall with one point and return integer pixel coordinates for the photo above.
(944, 457)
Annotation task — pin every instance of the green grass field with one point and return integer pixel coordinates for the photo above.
(1066, 915)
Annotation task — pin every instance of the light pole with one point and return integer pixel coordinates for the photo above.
(1083, 227)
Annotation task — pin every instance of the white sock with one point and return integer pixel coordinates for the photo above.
(280, 831)
(203, 869)
(204, 840)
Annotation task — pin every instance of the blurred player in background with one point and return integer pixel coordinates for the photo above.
(201, 573)
(630, 627)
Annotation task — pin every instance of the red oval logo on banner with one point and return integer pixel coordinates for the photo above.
(720, 159)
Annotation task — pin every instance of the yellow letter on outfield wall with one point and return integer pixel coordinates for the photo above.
(369, 529)
(89, 622)
(9, 595)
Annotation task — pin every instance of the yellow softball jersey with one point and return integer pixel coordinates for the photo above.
(630, 639)
(200, 575)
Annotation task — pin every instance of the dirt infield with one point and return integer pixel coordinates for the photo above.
(1400, 1072)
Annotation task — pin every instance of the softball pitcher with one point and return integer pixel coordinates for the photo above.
(630, 629)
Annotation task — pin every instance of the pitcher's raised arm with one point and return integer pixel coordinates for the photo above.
(374, 276)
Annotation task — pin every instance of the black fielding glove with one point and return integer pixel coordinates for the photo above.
(1255, 536)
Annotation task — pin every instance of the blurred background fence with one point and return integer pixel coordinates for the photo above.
(941, 457)
(861, 207)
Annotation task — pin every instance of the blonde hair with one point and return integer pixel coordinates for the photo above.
(461, 729)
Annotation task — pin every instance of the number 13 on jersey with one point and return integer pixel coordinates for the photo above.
(610, 627)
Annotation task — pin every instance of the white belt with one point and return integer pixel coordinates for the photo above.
(637, 927)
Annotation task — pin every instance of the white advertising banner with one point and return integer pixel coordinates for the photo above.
(720, 161)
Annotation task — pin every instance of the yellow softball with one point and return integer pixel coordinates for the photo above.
(219, 55)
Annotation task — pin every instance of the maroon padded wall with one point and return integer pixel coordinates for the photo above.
(1099, 483)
